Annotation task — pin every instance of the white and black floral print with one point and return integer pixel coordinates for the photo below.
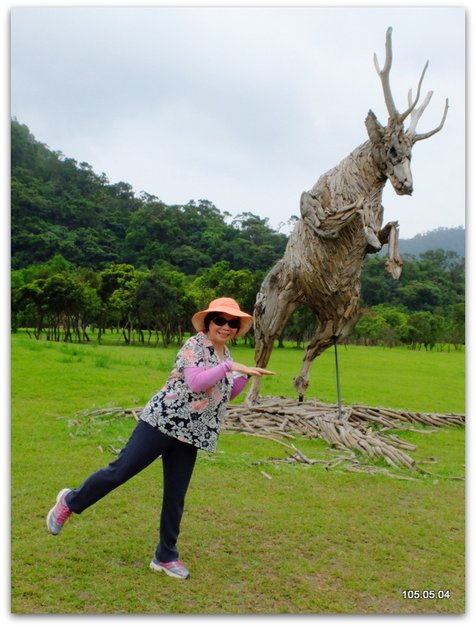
(193, 417)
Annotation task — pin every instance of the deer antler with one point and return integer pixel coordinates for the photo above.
(385, 75)
(416, 116)
(412, 105)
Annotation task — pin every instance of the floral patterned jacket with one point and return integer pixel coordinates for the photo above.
(193, 417)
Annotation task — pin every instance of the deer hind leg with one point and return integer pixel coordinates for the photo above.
(319, 343)
(327, 333)
(275, 303)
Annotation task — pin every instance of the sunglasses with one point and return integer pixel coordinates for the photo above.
(220, 321)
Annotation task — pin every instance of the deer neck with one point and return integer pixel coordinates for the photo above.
(361, 176)
(356, 179)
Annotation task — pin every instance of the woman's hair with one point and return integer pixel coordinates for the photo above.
(209, 317)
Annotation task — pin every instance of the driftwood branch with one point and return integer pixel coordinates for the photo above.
(361, 429)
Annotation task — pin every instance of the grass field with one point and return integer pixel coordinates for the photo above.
(306, 541)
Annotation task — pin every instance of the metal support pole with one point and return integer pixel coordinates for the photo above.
(339, 400)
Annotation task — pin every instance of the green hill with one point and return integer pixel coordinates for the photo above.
(59, 206)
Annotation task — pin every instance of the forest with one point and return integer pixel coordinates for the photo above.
(90, 257)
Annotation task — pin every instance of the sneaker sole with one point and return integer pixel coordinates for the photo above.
(60, 494)
(158, 568)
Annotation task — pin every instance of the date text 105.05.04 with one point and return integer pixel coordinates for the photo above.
(426, 594)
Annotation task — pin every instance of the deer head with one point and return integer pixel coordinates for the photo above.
(392, 144)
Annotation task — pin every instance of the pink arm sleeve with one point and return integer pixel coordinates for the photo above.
(200, 379)
(238, 384)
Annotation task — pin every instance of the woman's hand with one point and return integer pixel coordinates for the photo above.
(251, 371)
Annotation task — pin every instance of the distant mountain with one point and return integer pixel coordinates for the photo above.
(444, 238)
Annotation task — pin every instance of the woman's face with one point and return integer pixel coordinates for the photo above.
(221, 334)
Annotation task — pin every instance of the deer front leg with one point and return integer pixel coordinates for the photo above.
(327, 223)
(389, 235)
(394, 263)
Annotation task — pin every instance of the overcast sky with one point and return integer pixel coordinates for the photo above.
(245, 107)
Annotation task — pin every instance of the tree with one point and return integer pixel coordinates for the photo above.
(456, 326)
(64, 299)
(161, 304)
(421, 296)
(29, 306)
(300, 327)
(376, 285)
(116, 289)
(382, 324)
(424, 329)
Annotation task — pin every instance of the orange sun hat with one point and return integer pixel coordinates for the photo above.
(223, 305)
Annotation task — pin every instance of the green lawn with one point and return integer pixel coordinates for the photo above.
(305, 541)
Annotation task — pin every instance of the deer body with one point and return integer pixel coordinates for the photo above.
(341, 222)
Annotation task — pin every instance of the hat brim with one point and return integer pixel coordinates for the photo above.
(246, 321)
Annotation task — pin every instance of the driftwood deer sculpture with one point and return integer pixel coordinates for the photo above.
(341, 222)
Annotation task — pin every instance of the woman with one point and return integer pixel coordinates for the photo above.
(182, 417)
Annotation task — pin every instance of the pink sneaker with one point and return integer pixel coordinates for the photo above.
(58, 514)
(173, 569)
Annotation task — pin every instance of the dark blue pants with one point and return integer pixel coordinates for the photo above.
(144, 446)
